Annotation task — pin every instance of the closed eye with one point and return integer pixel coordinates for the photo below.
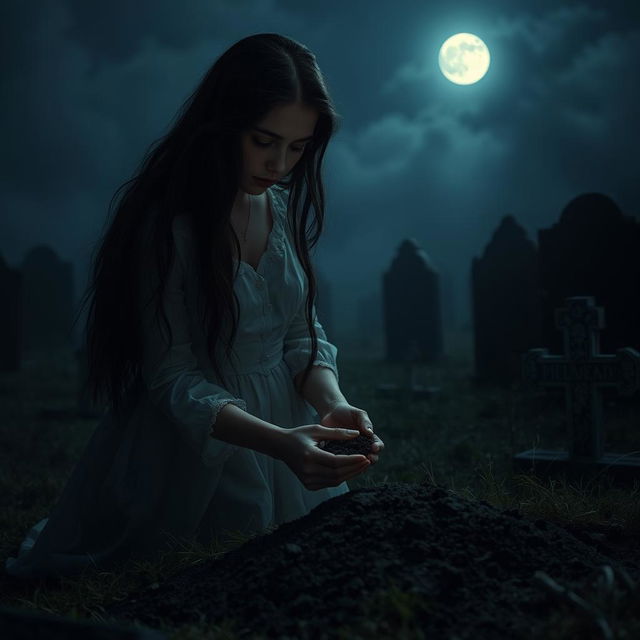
(268, 144)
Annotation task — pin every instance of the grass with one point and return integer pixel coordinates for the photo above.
(463, 438)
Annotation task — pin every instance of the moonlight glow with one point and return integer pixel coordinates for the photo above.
(464, 58)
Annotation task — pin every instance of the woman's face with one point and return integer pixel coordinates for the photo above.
(274, 145)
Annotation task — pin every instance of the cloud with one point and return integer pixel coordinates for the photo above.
(116, 30)
(389, 142)
(543, 33)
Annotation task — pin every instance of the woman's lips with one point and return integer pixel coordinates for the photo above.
(265, 180)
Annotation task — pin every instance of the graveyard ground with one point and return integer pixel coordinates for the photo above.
(426, 533)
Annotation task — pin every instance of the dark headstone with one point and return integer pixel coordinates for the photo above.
(449, 302)
(506, 303)
(583, 371)
(593, 250)
(48, 300)
(10, 318)
(411, 303)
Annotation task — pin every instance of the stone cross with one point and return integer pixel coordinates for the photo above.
(582, 371)
(409, 391)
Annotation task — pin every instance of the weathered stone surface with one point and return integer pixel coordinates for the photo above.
(593, 251)
(412, 307)
(506, 303)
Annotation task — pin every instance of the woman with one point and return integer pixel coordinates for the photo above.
(203, 341)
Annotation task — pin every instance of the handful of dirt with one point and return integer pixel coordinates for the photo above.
(359, 445)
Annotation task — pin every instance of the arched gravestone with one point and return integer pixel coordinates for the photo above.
(448, 290)
(48, 300)
(505, 303)
(10, 318)
(411, 303)
(593, 250)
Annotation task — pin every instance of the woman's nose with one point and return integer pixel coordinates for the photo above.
(278, 162)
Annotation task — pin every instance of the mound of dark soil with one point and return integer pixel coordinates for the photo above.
(468, 565)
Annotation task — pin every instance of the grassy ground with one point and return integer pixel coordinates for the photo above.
(463, 438)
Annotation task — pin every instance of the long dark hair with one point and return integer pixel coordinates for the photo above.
(195, 169)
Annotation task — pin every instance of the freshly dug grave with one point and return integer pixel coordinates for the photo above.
(470, 567)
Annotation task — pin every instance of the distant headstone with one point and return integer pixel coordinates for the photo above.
(10, 318)
(48, 300)
(448, 291)
(582, 371)
(506, 303)
(593, 250)
(411, 303)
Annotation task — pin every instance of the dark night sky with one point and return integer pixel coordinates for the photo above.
(87, 86)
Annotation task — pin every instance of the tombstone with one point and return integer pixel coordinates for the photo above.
(505, 304)
(324, 306)
(593, 250)
(448, 288)
(411, 305)
(48, 300)
(10, 318)
(582, 371)
(409, 392)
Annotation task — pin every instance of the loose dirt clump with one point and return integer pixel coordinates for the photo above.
(467, 568)
(359, 445)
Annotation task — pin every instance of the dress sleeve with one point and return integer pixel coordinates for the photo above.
(175, 383)
(297, 344)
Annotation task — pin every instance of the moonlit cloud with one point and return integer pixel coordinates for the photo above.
(543, 32)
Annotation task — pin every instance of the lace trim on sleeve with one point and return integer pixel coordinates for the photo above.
(327, 365)
(218, 405)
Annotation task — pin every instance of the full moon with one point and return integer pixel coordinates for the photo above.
(464, 58)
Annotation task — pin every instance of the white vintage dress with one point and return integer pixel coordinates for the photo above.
(160, 474)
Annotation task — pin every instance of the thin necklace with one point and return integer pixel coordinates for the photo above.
(248, 218)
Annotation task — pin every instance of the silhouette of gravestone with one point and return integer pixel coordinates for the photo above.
(48, 300)
(582, 371)
(10, 318)
(411, 303)
(448, 290)
(505, 303)
(593, 250)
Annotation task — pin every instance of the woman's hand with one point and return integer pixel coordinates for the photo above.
(342, 414)
(315, 468)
